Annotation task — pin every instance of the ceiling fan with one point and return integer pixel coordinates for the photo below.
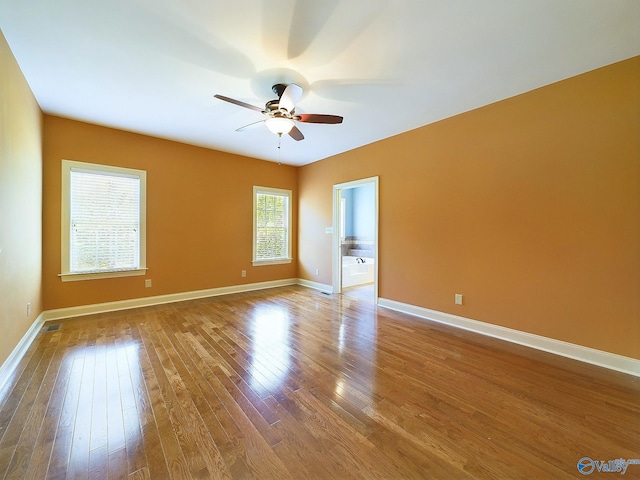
(280, 113)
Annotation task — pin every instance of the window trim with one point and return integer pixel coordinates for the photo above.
(275, 191)
(66, 275)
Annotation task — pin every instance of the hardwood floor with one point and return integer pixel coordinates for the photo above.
(290, 383)
(364, 292)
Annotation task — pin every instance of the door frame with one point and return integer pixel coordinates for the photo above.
(336, 256)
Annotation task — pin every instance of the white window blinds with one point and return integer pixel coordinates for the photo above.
(103, 221)
(272, 225)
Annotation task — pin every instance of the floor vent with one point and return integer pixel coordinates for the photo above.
(52, 328)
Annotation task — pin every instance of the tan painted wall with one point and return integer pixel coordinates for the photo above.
(199, 213)
(529, 207)
(20, 204)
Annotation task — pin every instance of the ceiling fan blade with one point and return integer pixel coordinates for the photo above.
(319, 118)
(296, 134)
(250, 126)
(290, 97)
(239, 103)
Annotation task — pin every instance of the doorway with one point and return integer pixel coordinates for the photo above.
(355, 245)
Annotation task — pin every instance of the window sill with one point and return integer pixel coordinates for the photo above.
(75, 277)
(277, 261)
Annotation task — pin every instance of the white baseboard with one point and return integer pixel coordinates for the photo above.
(322, 287)
(10, 364)
(69, 312)
(608, 360)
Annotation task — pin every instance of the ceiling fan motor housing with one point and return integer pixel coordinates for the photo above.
(273, 106)
(279, 89)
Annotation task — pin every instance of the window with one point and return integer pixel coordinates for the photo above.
(103, 221)
(271, 226)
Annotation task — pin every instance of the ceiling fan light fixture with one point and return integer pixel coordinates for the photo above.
(279, 125)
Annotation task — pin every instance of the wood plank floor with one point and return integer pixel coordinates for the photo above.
(290, 383)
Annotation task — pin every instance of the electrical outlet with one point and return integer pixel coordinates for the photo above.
(28, 309)
(317, 272)
(243, 273)
(147, 283)
(458, 299)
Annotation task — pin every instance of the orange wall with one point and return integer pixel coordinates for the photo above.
(529, 207)
(199, 213)
(20, 204)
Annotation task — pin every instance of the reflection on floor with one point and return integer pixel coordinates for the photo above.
(364, 292)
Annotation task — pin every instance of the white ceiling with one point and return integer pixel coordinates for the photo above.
(387, 66)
